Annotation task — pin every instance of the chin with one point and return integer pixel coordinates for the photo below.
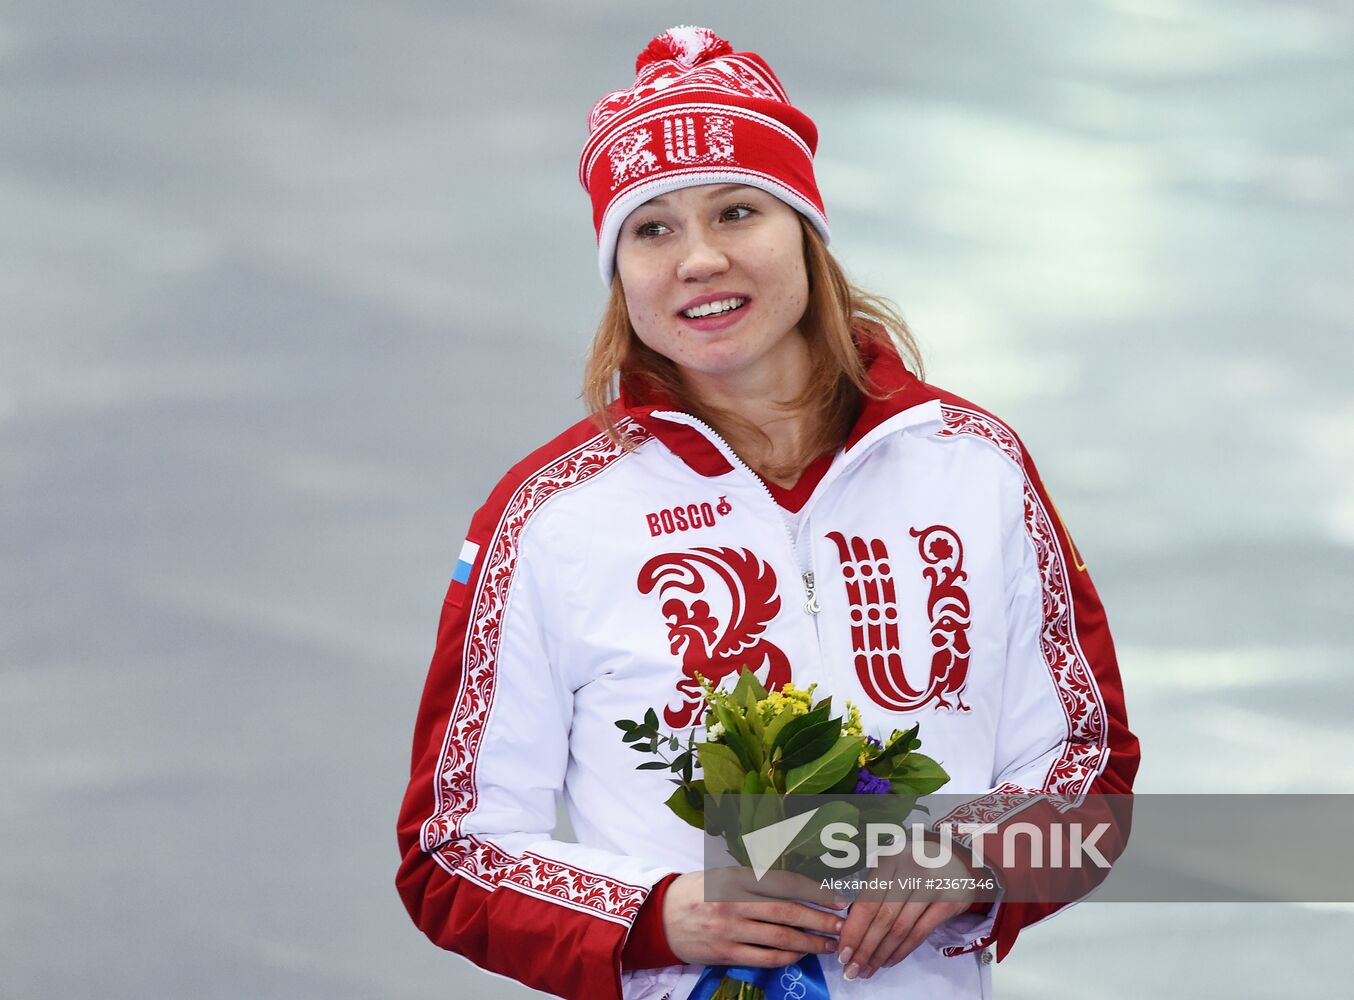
(715, 366)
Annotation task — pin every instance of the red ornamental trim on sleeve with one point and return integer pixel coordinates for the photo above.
(1084, 754)
(1001, 803)
(454, 785)
(481, 862)
(490, 867)
(589, 892)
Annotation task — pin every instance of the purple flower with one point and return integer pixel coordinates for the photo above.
(868, 784)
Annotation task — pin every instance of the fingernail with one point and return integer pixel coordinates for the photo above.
(840, 904)
(845, 955)
(852, 971)
(838, 928)
(831, 945)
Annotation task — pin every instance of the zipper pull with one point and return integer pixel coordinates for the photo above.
(811, 605)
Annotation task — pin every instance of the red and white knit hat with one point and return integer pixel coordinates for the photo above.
(698, 113)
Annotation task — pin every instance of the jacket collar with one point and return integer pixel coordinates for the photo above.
(906, 401)
(647, 406)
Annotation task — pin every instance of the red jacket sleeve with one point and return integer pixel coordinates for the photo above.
(1064, 731)
(481, 874)
(647, 945)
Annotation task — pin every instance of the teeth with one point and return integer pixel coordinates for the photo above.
(714, 308)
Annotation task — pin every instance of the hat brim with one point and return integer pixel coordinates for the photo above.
(672, 180)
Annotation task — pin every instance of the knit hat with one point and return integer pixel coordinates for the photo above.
(698, 113)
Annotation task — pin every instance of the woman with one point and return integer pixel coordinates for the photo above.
(758, 450)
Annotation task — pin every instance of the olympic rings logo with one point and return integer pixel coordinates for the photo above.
(792, 982)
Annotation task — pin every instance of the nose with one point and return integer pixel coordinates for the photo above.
(702, 258)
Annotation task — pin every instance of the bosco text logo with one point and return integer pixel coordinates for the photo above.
(670, 520)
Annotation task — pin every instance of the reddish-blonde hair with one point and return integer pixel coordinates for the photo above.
(838, 314)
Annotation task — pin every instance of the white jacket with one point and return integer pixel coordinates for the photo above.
(596, 579)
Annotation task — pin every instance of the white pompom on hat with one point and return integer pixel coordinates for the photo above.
(697, 113)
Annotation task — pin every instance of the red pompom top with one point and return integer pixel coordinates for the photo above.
(685, 44)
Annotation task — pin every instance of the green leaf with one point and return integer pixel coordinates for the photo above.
(882, 768)
(768, 811)
(625, 724)
(680, 804)
(672, 743)
(900, 743)
(775, 776)
(757, 732)
(738, 737)
(920, 776)
(899, 805)
(821, 774)
(715, 808)
(651, 720)
(748, 685)
(796, 723)
(809, 840)
(652, 765)
(826, 703)
(847, 783)
(750, 800)
(772, 727)
(632, 735)
(721, 767)
(811, 743)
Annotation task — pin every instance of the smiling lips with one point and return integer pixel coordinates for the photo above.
(715, 307)
(713, 312)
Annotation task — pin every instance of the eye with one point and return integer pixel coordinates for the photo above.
(648, 229)
(736, 213)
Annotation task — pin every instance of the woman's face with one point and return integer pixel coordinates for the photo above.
(715, 281)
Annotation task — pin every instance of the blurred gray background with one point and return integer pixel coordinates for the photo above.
(287, 285)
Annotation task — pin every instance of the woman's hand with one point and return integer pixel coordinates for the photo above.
(882, 932)
(771, 928)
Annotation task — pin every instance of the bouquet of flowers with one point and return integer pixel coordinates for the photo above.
(766, 747)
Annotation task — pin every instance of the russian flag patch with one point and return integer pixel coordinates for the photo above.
(465, 565)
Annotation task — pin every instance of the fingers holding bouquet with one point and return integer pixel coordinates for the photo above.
(785, 784)
(884, 926)
(767, 924)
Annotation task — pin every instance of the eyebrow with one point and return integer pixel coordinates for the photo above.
(718, 192)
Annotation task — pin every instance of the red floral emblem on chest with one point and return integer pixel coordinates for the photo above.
(717, 603)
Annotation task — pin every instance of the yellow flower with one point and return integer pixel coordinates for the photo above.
(787, 699)
(852, 726)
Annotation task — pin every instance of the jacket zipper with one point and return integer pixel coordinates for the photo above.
(811, 605)
(806, 572)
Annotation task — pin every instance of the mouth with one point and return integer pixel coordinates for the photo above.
(719, 307)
